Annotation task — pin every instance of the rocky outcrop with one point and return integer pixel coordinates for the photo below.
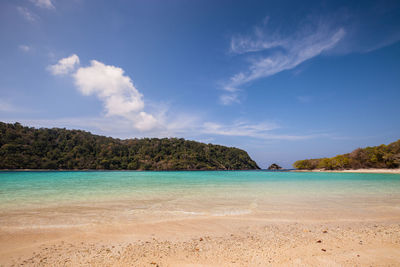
(274, 167)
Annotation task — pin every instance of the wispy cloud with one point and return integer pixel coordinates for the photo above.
(239, 129)
(6, 106)
(43, 3)
(229, 98)
(282, 52)
(193, 128)
(125, 112)
(27, 14)
(24, 48)
(244, 129)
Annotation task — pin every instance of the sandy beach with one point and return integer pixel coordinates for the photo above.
(198, 219)
(229, 241)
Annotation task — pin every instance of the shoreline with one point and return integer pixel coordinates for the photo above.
(116, 170)
(158, 220)
(382, 171)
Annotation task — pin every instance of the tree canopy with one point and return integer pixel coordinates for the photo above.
(383, 156)
(30, 148)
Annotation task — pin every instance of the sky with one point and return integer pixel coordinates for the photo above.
(283, 80)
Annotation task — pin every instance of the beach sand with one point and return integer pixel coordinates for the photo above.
(245, 219)
(240, 240)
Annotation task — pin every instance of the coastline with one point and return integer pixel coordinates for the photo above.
(390, 171)
(195, 219)
(124, 170)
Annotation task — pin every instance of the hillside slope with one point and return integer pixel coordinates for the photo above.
(383, 156)
(29, 148)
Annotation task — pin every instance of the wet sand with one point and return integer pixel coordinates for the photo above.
(285, 219)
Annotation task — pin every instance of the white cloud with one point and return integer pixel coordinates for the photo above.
(24, 48)
(27, 14)
(43, 3)
(227, 99)
(284, 53)
(65, 65)
(125, 114)
(116, 90)
(110, 84)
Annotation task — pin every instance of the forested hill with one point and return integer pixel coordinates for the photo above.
(29, 148)
(383, 156)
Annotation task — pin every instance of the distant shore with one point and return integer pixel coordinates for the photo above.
(394, 171)
(124, 170)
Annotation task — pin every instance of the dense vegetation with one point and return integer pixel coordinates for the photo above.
(383, 156)
(30, 148)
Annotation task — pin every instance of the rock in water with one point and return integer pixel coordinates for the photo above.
(274, 167)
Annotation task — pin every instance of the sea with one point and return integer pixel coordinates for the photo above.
(65, 198)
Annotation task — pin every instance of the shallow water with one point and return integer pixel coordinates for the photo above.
(107, 196)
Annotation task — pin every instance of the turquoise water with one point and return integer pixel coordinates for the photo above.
(27, 188)
(196, 193)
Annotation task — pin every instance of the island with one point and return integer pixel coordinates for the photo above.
(30, 148)
(274, 167)
(377, 157)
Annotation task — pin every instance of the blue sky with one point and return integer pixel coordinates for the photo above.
(284, 80)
